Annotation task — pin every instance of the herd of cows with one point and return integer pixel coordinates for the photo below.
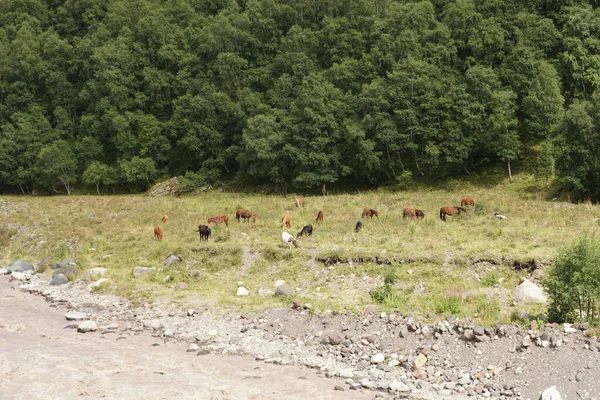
(290, 241)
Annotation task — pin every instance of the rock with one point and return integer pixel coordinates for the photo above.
(420, 361)
(153, 324)
(96, 285)
(20, 276)
(370, 309)
(366, 383)
(64, 263)
(168, 333)
(194, 273)
(192, 348)
(346, 373)
(537, 274)
(4, 271)
(20, 266)
(75, 316)
(59, 279)
(69, 272)
(435, 347)
(93, 274)
(568, 328)
(284, 290)
(296, 304)
(529, 292)
(377, 358)
(551, 394)
(465, 379)
(278, 283)
(242, 291)
(87, 326)
(338, 387)
(170, 187)
(578, 376)
(137, 271)
(479, 331)
(181, 286)
(468, 334)
(172, 259)
(403, 332)
(399, 386)
(335, 339)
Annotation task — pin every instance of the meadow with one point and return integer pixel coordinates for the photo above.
(467, 266)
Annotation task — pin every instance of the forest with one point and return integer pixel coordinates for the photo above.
(114, 95)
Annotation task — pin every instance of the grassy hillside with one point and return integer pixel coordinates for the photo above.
(464, 266)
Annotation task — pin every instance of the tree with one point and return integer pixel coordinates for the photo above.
(98, 174)
(56, 164)
(139, 171)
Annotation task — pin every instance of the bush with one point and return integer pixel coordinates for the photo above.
(573, 285)
(385, 292)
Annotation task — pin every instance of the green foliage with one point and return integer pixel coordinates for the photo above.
(573, 284)
(138, 171)
(385, 293)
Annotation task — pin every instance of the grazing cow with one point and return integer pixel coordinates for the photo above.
(204, 232)
(286, 220)
(307, 230)
(219, 220)
(369, 212)
(244, 214)
(165, 218)
(358, 227)
(499, 216)
(467, 201)
(158, 233)
(320, 216)
(419, 213)
(408, 213)
(299, 202)
(289, 240)
(450, 210)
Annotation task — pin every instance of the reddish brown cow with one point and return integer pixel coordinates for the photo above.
(165, 218)
(450, 210)
(158, 233)
(320, 216)
(409, 213)
(369, 212)
(286, 220)
(467, 201)
(219, 220)
(244, 214)
(299, 202)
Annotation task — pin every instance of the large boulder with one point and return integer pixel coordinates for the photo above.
(284, 290)
(170, 187)
(20, 266)
(550, 394)
(59, 279)
(529, 292)
(171, 260)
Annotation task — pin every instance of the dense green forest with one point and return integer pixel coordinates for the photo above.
(295, 94)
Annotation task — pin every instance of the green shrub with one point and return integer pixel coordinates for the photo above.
(386, 292)
(573, 285)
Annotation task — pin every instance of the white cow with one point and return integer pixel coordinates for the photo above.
(289, 240)
(499, 216)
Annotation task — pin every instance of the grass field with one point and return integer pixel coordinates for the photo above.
(463, 266)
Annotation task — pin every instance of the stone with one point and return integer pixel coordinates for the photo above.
(366, 383)
(172, 259)
(69, 272)
(181, 286)
(20, 276)
(278, 283)
(96, 285)
(242, 291)
(4, 271)
(346, 373)
(435, 347)
(550, 394)
(529, 292)
(64, 263)
(403, 332)
(20, 266)
(75, 316)
(537, 274)
(284, 290)
(568, 328)
(370, 309)
(335, 339)
(465, 379)
(377, 358)
(479, 331)
(468, 334)
(338, 387)
(420, 361)
(399, 386)
(192, 348)
(87, 326)
(59, 279)
(93, 274)
(137, 271)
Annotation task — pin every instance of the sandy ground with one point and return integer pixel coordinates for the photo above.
(43, 357)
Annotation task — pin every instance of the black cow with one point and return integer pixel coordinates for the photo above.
(204, 232)
(307, 230)
(358, 227)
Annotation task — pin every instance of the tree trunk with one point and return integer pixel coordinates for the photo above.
(509, 171)
(98, 188)
(324, 190)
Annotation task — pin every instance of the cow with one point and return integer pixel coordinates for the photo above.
(158, 233)
(307, 230)
(299, 202)
(286, 220)
(467, 201)
(244, 214)
(419, 213)
(204, 232)
(219, 220)
(165, 218)
(369, 212)
(320, 216)
(358, 227)
(450, 210)
(289, 240)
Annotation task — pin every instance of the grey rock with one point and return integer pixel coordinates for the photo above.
(242, 291)
(377, 358)
(529, 292)
(44, 261)
(172, 259)
(468, 334)
(59, 279)
(20, 266)
(87, 326)
(192, 348)
(64, 263)
(335, 339)
(94, 273)
(399, 386)
(137, 271)
(479, 330)
(69, 272)
(403, 332)
(579, 376)
(284, 290)
(338, 387)
(20, 276)
(550, 394)
(75, 316)
(4, 271)
(153, 324)
(95, 285)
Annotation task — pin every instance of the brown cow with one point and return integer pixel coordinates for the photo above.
(450, 210)
(219, 220)
(409, 213)
(299, 202)
(419, 213)
(165, 218)
(286, 220)
(244, 214)
(467, 201)
(369, 212)
(320, 216)
(158, 233)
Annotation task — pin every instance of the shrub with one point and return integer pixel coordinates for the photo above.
(573, 285)
(385, 292)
